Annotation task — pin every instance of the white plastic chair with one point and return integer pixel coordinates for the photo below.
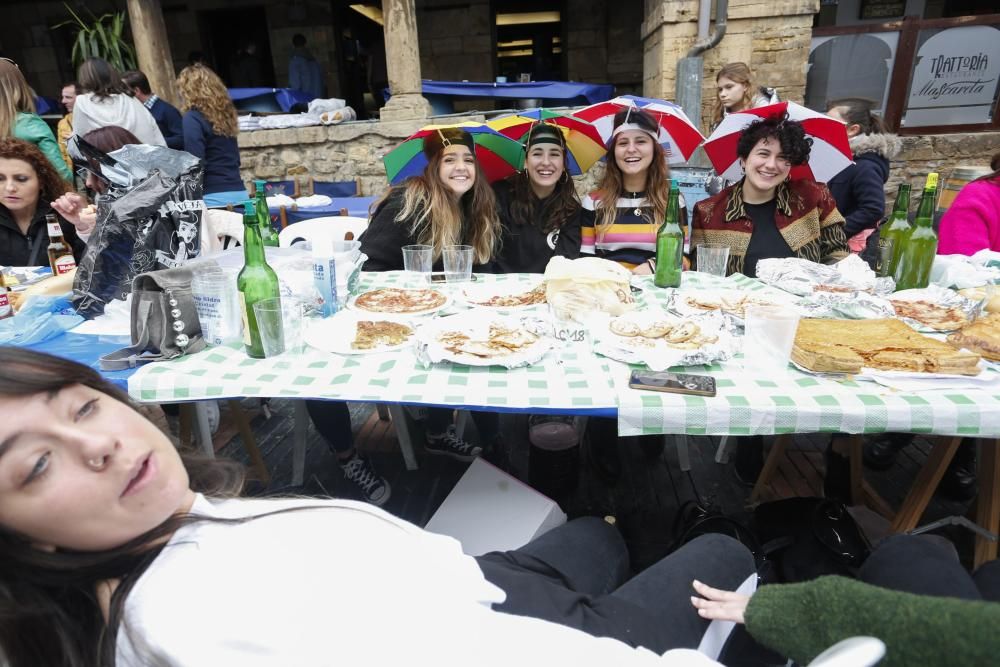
(332, 228)
(219, 229)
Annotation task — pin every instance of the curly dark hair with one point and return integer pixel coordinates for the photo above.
(795, 145)
(51, 183)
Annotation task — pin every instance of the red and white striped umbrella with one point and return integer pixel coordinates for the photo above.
(678, 135)
(830, 154)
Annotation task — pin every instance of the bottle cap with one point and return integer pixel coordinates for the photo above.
(932, 180)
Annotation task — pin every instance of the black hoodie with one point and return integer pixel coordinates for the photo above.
(859, 189)
(15, 247)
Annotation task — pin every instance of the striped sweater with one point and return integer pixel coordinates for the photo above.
(806, 216)
(631, 240)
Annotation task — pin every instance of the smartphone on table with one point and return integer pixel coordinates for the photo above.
(675, 383)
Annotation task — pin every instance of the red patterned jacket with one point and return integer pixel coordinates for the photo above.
(806, 215)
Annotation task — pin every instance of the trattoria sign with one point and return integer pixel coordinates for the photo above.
(955, 75)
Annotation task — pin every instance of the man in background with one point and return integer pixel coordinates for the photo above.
(304, 72)
(167, 117)
(64, 129)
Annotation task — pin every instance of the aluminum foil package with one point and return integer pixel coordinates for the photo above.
(802, 277)
(846, 306)
(950, 312)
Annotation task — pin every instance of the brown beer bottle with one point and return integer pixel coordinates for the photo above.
(60, 254)
(6, 308)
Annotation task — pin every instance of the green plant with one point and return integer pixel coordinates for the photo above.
(100, 37)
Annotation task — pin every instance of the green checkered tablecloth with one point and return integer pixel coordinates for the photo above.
(563, 381)
(783, 402)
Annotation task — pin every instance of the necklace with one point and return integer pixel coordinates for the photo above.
(636, 195)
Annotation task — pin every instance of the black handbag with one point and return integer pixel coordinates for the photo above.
(164, 320)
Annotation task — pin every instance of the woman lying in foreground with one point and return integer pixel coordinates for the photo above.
(116, 550)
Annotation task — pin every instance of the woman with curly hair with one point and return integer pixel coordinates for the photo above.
(19, 120)
(538, 207)
(106, 101)
(767, 215)
(210, 129)
(28, 185)
(622, 216)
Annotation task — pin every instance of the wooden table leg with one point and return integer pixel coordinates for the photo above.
(942, 451)
(249, 441)
(988, 504)
(774, 457)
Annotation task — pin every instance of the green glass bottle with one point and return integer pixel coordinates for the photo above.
(267, 233)
(257, 281)
(920, 245)
(890, 241)
(670, 244)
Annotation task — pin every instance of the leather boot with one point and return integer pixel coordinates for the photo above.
(880, 451)
(959, 481)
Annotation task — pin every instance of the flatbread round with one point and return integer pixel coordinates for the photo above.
(625, 328)
(683, 333)
(395, 300)
(657, 330)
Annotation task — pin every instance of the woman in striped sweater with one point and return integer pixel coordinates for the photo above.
(621, 217)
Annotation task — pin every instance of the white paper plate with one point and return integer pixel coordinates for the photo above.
(352, 305)
(474, 296)
(335, 334)
(476, 326)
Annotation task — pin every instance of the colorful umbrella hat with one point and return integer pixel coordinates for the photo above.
(584, 144)
(830, 154)
(678, 135)
(498, 156)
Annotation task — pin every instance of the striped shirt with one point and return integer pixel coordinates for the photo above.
(630, 241)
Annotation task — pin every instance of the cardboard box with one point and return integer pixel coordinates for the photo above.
(488, 510)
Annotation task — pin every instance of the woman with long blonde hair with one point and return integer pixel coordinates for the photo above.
(622, 216)
(19, 120)
(450, 203)
(210, 129)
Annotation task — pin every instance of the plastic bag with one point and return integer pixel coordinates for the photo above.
(151, 223)
(41, 318)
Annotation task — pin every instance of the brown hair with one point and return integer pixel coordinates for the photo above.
(740, 73)
(612, 185)
(858, 111)
(995, 166)
(561, 206)
(100, 78)
(437, 218)
(51, 183)
(16, 96)
(110, 138)
(202, 89)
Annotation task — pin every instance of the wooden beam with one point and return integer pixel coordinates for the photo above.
(925, 484)
(152, 49)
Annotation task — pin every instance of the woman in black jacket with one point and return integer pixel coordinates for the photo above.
(28, 184)
(539, 209)
(859, 189)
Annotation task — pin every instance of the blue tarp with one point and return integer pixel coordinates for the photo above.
(268, 99)
(441, 94)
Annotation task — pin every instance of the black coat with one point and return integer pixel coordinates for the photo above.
(15, 247)
(526, 248)
(384, 239)
(859, 189)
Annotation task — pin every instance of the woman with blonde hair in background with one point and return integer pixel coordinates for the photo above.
(106, 101)
(210, 129)
(19, 120)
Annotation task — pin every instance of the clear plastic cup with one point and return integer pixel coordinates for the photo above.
(712, 258)
(279, 321)
(417, 262)
(770, 334)
(215, 299)
(457, 263)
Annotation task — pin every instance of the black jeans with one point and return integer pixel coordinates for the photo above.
(923, 566)
(575, 575)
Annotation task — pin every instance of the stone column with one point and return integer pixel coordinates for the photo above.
(152, 49)
(402, 56)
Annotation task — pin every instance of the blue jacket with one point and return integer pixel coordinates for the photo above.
(859, 189)
(219, 154)
(168, 119)
(305, 73)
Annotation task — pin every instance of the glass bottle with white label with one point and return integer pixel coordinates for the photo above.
(60, 253)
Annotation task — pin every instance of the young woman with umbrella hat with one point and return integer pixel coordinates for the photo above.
(538, 207)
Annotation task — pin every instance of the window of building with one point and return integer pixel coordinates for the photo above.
(528, 40)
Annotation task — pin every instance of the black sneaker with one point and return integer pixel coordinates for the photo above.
(449, 444)
(360, 472)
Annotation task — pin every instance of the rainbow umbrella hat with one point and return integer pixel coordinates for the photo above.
(678, 135)
(583, 142)
(498, 156)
